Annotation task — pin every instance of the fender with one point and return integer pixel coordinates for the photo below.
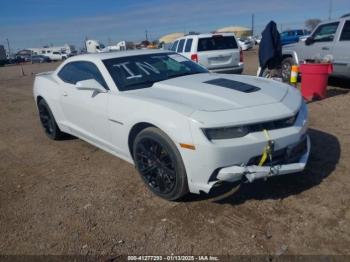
(291, 53)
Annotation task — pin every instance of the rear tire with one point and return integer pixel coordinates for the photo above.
(160, 164)
(48, 122)
(286, 68)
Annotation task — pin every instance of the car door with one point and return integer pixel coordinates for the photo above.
(341, 51)
(84, 110)
(321, 42)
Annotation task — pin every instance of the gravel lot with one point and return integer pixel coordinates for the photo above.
(69, 197)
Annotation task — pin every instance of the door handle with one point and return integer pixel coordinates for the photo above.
(65, 94)
(325, 48)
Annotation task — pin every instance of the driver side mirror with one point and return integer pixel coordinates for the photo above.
(90, 84)
(309, 40)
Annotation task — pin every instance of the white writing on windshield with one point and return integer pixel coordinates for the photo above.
(144, 66)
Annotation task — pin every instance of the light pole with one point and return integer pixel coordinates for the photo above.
(146, 32)
(8, 46)
(330, 9)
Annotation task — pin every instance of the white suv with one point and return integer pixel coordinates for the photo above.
(218, 53)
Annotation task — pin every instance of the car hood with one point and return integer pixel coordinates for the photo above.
(214, 92)
(293, 45)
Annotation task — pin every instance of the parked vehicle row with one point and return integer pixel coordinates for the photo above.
(329, 41)
(39, 59)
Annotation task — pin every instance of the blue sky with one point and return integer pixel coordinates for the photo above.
(34, 23)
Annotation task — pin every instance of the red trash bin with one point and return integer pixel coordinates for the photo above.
(314, 80)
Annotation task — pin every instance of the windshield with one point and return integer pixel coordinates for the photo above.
(142, 71)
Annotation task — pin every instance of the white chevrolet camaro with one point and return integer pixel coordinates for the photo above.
(184, 128)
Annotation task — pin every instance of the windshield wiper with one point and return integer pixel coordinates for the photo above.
(184, 74)
(148, 83)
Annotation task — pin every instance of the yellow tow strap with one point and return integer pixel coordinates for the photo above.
(267, 149)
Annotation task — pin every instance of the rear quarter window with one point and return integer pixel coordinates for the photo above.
(174, 47)
(181, 46)
(216, 43)
(188, 45)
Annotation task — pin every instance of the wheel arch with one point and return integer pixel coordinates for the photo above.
(290, 54)
(134, 131)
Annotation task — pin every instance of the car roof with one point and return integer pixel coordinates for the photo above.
(116, 54)
(205, 35)
(334, 20)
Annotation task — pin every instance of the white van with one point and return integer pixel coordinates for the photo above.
(217, 52)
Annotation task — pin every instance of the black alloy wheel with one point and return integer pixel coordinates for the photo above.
(159, 164)
(156, 166)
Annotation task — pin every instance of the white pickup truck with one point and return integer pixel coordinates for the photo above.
(331, 38)
(57, 56)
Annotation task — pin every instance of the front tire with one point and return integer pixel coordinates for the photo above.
(160, 164)
(48, 121)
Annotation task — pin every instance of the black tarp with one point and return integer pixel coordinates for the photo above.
(270, 48)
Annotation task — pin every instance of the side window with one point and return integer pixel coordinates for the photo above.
(174, 47)
(78, 71)
(188, 45)
(181, 46)
(345, 34)
(325, 33)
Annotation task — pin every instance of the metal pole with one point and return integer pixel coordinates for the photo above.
(252, 24)
(8, 46)
(330, 9)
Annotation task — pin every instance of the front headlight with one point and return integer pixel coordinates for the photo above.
(225, 132)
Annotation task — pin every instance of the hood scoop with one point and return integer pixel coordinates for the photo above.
(232, 84)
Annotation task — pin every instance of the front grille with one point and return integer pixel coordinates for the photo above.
(275, 124)
(283, 156)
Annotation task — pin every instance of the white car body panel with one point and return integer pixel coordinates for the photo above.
(180, 107)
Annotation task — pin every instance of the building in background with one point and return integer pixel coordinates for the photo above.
(166, 41)
(239, 31)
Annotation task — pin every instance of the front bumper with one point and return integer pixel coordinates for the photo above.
(254, 172)
(233, 159)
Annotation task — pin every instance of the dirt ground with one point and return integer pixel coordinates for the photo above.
(69, 197)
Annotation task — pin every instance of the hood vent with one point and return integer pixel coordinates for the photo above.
(232, 84)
